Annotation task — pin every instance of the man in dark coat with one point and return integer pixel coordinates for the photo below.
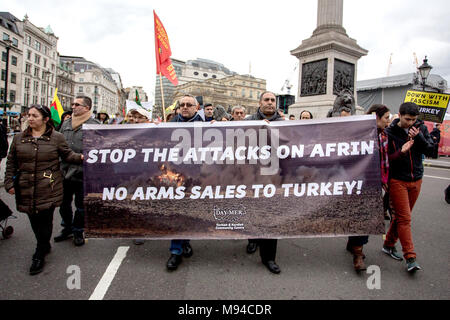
(73, 223)
(408, 139)
(436, 136)
(267, 111)
(188, 113)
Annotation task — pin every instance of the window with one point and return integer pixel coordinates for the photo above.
(35, 87)
(195, 73)
(36, 71)
(43, 101)
(28, 40)
(81, 80)
(45, 63)
(43, 89)
(13, 77)
(80, 89)
(214, 76)
(28, 68)
(29, 55)
(26, 98)
(251, 94)
(37, 45)
(15, 42)
(14, 60)
(35, 100)
(12, 95)
(37, 59)
(4, 56)
(243, 92)
(3, 75)
(27, 83)
(205, 75)
(5, 36)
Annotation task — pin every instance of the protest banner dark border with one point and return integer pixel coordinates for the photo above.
(313, 196)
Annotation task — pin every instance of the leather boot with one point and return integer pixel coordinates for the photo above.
(358, 258)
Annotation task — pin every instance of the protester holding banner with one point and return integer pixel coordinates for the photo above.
(34, 176)
(181, 247)
(73, 224)
(267, 111)
(408, 140)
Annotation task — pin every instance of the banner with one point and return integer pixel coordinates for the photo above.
(432, 106)
(233, 180)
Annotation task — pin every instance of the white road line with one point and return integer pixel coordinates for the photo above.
(109, 274)
(437, 177)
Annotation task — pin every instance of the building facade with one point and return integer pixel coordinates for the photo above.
(40, 64)
(11, 46)
(65, 83)
(243, 90)
(95, 82)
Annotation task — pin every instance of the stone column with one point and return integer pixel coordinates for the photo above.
(327, 61)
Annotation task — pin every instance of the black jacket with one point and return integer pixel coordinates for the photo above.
(179, 118)
(260, 116)
(407, 167)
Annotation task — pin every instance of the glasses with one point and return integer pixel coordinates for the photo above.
(45, 110)
(187, 105)
(76, 104)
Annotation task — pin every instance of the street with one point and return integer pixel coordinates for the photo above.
(317, 268)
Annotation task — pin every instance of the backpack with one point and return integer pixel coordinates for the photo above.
(3, 141)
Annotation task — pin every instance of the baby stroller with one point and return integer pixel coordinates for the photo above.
(5, 214)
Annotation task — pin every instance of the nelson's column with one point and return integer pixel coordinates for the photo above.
(327, 62)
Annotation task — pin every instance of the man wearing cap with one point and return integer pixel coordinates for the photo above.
(140, 115)
(188, 113)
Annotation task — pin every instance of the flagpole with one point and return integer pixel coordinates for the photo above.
(162, 97)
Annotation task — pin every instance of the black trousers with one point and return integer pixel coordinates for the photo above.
(42, 225)
(70, 221)
(267, 248)
(357, 241)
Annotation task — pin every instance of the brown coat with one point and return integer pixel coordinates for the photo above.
(33, 170)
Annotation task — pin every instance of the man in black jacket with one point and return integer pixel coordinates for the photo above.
(188, 113)
(408, 140)
(267, 111)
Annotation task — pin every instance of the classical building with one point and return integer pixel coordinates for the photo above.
(65, 83)
(188, 71)
(40, 63)
(121, 93)
(95, 82)
(243, 90)
(11, 46)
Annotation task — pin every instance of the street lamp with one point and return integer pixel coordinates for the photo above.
(47, 77)
(424, 71)
(8, 45)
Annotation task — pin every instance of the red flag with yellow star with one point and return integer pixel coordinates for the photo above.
(164, 65)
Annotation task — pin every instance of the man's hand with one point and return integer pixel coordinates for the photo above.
(413, 131)
(267, 121)
(11, 191)
(407, 146)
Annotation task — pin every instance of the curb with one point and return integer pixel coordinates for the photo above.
(427, 164)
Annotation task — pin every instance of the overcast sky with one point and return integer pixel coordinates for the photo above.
(119, 34)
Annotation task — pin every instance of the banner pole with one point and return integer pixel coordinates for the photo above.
(162, 97)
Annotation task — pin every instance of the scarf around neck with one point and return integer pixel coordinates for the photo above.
(79, 120)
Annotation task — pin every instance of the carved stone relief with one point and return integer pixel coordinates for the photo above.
(314, 78)
(344, 76)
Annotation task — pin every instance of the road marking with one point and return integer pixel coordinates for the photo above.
(109, 274)
(437, 177)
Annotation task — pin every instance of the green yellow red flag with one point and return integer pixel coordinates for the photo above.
(56, 108)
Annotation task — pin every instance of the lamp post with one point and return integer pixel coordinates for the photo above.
(8, 45)
(424, 71)
(47, 77)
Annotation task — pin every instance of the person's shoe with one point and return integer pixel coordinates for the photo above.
(358, 258)
(392, 252)
(272, 266)
(187, 250)
(78, 239)
(251, 247)
(174, 261)
(412, 265)
(64, 235)
(138, 241)
(37, 266)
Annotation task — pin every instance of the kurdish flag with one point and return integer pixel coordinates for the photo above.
(56, 109)
(137, 100)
